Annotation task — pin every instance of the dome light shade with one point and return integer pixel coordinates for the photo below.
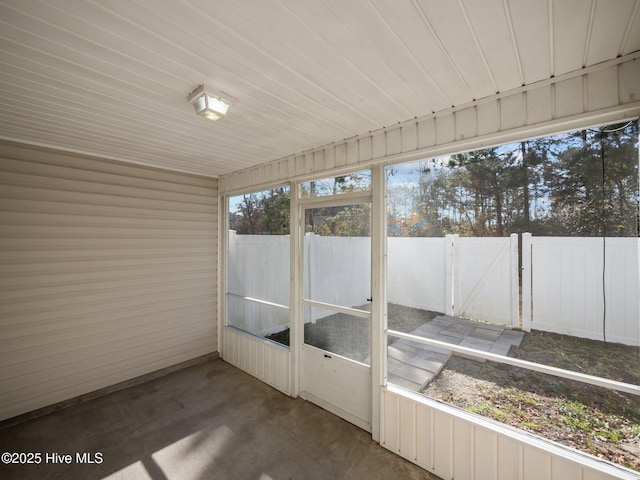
(209, 103)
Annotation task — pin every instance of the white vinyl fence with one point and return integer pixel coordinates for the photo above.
(563, 279)
(469, 277)
(258, 268)
(337, 271)
(466, 277)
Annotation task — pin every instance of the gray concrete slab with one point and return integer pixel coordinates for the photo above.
(486, 334)
(403, 382)
(208, 421)
(512, 336)
(429, 360)
(404, 353)
(414, 374)
(477, 343)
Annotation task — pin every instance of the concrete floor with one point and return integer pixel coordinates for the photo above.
(208, 421)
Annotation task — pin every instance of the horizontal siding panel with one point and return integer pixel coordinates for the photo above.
(66, 375)
(66, 323)
(49, 315)
(62, 357)
(95, 266)
(96, 232)
(15, 173)
(25, 342)
(103, 295)
(107, 272)
(121, 173)
(41, 280)
(30, 293)
(50, 390)
(36, 256)
(63, 198)
(100, 222)
(36, 244)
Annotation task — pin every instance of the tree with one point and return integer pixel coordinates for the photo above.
(593, 185)
(276, 212)
(262, 213)
(581, 183)
(350, 220)
(342, 221)
(489, 180)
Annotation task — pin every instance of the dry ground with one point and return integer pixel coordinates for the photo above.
(592, 419)
(598, 421)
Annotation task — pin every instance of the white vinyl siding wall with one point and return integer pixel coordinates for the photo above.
(108, 271)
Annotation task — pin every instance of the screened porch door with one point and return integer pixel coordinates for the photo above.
(335, 371)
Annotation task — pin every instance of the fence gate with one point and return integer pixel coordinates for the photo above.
(485, 278)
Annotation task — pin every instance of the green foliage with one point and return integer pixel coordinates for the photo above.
(262, 213)
(343, 221)
(487, 410)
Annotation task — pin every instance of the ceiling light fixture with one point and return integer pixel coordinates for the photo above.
(210, 103)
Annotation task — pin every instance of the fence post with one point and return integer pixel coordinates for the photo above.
(450, 277)
(527, 294)
(309, 263)
(513, 275)
(232, 263)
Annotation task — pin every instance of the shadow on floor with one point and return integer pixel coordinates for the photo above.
(208, 421)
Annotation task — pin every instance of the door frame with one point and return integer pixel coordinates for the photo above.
(376, 197)
(336, 383)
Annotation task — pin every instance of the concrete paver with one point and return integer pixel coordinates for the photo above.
(413, 365)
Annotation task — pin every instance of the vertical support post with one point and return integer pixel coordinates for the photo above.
(295, 288)
(308, 250)
(527, 271)
(223, 268)
(514, 283)
(379, 298)
(450, 275)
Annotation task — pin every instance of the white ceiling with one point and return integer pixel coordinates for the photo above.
(111, 77)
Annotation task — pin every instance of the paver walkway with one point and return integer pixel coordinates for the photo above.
(413, 365)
